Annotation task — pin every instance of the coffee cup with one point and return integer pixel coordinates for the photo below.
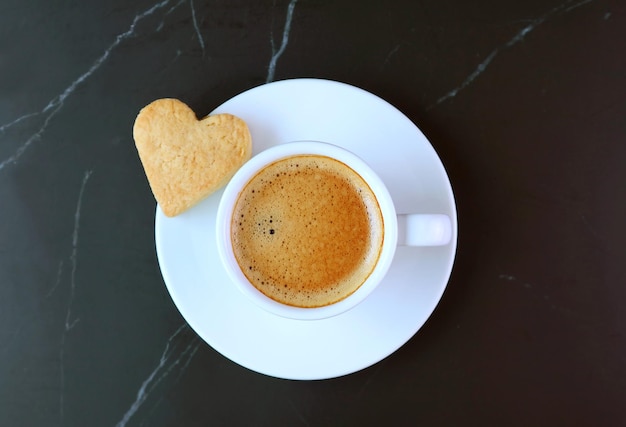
(307, 230)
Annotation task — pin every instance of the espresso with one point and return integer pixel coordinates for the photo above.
(307, 231)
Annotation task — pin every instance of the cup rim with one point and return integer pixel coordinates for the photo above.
(248, 171)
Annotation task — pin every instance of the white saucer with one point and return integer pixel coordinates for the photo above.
(311, 109)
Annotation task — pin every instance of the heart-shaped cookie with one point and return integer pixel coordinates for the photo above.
(186, 159)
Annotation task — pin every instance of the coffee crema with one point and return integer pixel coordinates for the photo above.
(307, 231)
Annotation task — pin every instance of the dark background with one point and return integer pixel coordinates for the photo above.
(525, 102)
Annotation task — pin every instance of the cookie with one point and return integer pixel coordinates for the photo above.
(186, 159)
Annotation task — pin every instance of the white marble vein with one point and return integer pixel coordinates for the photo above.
(575, 5)
(162, 370)
(34, 137)
(563, 8)
(194, 346)
(195, 25)
(271, 68)
(298, 413)
(9, 125)
(170, 10)
(57, 281)
(478, 71)
(391, 53)
(69, 323)
(56, 103)
(74, 256)
(510, 278)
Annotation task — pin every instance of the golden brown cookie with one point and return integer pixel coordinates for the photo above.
(186, 159)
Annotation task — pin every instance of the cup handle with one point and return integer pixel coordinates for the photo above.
(424, 230)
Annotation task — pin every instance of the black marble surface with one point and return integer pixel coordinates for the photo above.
(525, 102)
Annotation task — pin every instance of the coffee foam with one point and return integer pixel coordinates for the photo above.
(307, 231)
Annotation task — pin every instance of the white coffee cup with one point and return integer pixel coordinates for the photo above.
(411, 230)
